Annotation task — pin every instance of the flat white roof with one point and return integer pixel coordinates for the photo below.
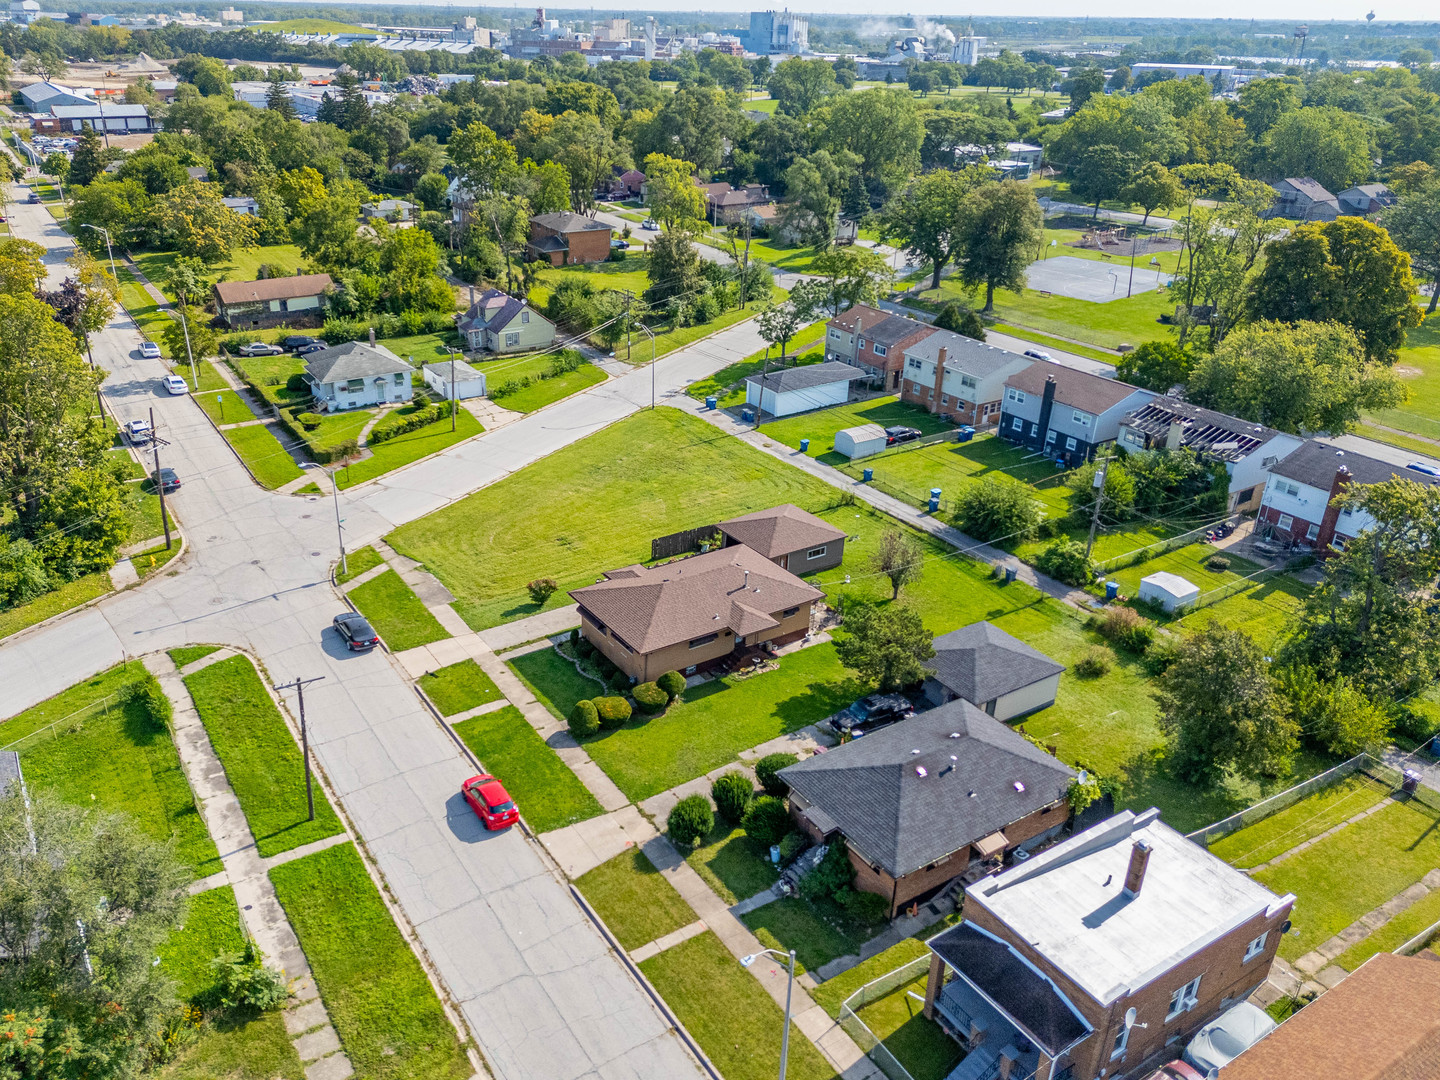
(1067, 902)
(1173, 584)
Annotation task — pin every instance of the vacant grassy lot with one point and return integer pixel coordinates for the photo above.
(459, 687)
(398, 615)
(142, 307)
(548, 391)
(728, 1012)
(1346, 875)
(1419, 369)
(1414, 920)
(1045, 341)
(1129, 320)
(238, 1048)
(554, 681)
(388, 1018)
(261, 760)
(731, 864)
(243, 265)
(629, 273)
(412, 446)
(636, 902)
(549, 795)
(820, 426)
(1311, 816)
(259, 447)
(211, 929)
(605, 497)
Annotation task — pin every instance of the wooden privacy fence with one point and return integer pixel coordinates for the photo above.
(678, 543)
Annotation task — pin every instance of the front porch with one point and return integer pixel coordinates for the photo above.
(997, 1048)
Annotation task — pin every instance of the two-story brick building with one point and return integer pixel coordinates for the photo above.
(934, 798)
(565, 239)
(958, 377)
(1065, 412)
(1102, 955)
(1302, 502)
(874, 341)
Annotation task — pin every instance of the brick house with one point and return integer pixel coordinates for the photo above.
(692, 612)
(1065, 412)
(290, 301)
(958, 377)
(1301, 502)
(727, 205)
(789, 537)
(913, 823)
(873, 340)
(1303, 198)
(565, 239)
(1056, 952)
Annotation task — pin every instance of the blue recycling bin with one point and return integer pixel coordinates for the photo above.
(1112, 590)
(1009, 575)
(966, 434)
(870, 475)
(804, 445)
(747, 414)
(934, 500)
(710, 403)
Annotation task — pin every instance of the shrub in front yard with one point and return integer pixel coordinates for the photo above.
(1095, 663)
(1065, 560)
(791, 845)
(584, 648)
(994, 508)
(584, 719)
(832, 877)
(613, 711)
(1218, 563)
(297, 384)
(690, 821)
(541, 589)
(650, 697)
(767, 770)
(732, 793)
(673, 683)
(867, 907)
(767, 820)
(619, 682)
(309, 420)
(1127, 629)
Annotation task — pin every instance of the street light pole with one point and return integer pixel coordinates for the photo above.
(189, 353)
(108, 249)
(746, 961)
(299, 687)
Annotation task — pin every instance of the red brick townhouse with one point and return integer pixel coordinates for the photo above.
(958, 377)
(873, 340)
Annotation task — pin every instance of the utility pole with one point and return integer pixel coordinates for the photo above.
(1099, 485)
(155, 442)
(452, 389)
(299, 687)
(339, 532)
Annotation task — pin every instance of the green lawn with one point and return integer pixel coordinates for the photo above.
(795, 258)
(554, 681)
(115, 757)
(399, 616)
(459, 687)
(1404, 442)
(269, 375)
(367, 558)
(142, 507)
(188, 654)
(147, 314)
(604, 498)
(629, 273)
(636, 902)
(259, 447)
(542, 393)
(211, 929)
(412, 446)
(1346, 875)
(667, 341)
(261, 760)
(1292, 826)
(1419, 370)
(831, 994)
(238, 1048)
(729, 382)
(1414, 920)
(243, 265)
(920, 1045)
(215, 397)
(731, 864)
(72, 594)
(728, 1013)
(336, 428)
(549, 795)
(1047, 342)
(383, 1007)
(818, 933)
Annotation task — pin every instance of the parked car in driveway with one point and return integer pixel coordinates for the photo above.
(139, 432)
(176, 385)
(149, 350)
(490, 801)
(356, 631)
(259, 348)
(165, 480)
(296, 341)
(897, 435)
(872, 712)
(306, 350)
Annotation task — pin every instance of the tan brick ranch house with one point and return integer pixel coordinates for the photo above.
(791, 538)
(565, 239)
(691, 612)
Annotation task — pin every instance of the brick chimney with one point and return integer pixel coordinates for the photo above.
(939, 380)
(1047, 406)
(1340, 483)
(1135, 875)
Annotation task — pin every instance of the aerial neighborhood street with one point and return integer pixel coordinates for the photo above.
(718, 545)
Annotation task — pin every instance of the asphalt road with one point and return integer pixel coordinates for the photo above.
(542, 993)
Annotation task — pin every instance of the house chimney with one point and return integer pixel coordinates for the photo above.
(939, 380)
(372, 335)
(1135, 875)
(1009, 1058)
(472, 295)
(1047, 406)
(1173, 436)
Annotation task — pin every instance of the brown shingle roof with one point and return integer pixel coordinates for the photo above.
(1381, 1023)
(280, 288)
(780, 530)
(650, 608)
(1078, 389)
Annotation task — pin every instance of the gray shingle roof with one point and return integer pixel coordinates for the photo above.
(1226, 437)
(353, 360)
(980, 662)
(1316, 463)
(566, 222)
(881, 327)
(780, 530)
(964, 354)
(491, 308)
(803, 378)
(902, 820)
(1311, 189)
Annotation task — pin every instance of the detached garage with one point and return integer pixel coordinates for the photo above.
(1169, 591)
(801, 389)
(862, 441)
(469, 383)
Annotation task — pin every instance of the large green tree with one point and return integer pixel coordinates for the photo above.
(1101, 174)
(1414, 224)
(1327, 144)
(928, 217)
(1000, 229)
(886, 646)
(800, 85)
(671, 192)
(1152, 187)
(880, 127)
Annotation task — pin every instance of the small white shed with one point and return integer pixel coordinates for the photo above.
(800, 389)
(469, 383)
(1169, 591)
(858, 442)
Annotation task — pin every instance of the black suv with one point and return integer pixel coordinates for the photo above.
(297, 341)
(894, 435)
(869, 713)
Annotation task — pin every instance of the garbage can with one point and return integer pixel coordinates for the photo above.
(966, 434)
(1410, 781)
(804, 446)
(1112, 590)
(934, 500)
(870, 475)
(748, 415)
(1009, 575)
(710, 403)
(1435, 746)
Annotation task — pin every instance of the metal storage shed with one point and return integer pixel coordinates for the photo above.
(861, 441)
(1170, 591)
(468, 382)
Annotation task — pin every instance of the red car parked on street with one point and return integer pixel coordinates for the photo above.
(490, 801)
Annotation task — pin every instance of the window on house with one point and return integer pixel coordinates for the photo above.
(834, 335)
(1285, 522)
(1347, 512)
(1017, 396)
(399, 378)
(1184, 999)
(968, 382)
(1050, 436)
(881, 350)
(1338, 543)
(1082, 419)
(860, 343)
(1256, 947)
(354, 386)
(815, 553)
(913, 364)
(1287, 488)
(512, 340)
(944, 399)
(1017, 423)
(789, 611)
(1070, 444)
(696, 643)
(1122, 1037)
(1312, 533)
(525, 318)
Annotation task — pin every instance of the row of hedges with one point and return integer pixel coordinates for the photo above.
(427, 414)
(608, 713)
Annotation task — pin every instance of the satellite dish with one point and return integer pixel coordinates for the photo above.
(1129, 1018)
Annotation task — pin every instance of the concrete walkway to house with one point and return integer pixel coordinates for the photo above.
(546, 624)
(1317, 964)
(306, 1019)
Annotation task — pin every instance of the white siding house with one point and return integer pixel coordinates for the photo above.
(357, 375)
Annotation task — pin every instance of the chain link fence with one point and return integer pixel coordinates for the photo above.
(67, 724)
(873, 991)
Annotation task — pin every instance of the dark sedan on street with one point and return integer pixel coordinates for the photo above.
(356, 631)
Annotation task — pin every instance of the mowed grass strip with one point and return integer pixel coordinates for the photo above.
(549, 795)
(211, 929)
(729, 1013)
(382, 1006)
(1414, 920)
(412, 446)
(72, 594)
(186, 655)
(367, 558)
(399, 616)
(922, 1046)
(1291, 827)
(243, 1048)
(594, 506)
(459, 687)
(259, 448)
(261, 760)
(634, 899)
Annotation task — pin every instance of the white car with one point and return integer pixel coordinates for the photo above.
(176, 385)
(259, 348)
(138, 432)
(149, 350)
